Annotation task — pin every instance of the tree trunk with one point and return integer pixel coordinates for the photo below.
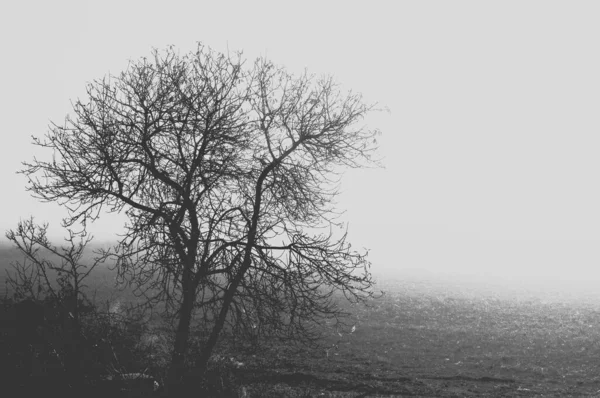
(202, 362)
(177, 367)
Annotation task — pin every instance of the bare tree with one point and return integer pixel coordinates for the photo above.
(55, 272)
(228, 176)
(47, 269)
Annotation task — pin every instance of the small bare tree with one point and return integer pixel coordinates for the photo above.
(56, 272)
(228, 176)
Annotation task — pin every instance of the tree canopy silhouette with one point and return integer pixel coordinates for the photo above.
(228, 175)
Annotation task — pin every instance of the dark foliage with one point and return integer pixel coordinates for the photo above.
(37, 353)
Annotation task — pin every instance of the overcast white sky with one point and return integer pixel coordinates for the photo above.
(492, 146)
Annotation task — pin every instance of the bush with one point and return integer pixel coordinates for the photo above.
(62, 354)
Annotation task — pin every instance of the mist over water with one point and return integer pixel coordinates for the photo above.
(429, 270)
(552, 288)
(558, 267)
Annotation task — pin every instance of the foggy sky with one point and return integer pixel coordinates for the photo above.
(491, 146)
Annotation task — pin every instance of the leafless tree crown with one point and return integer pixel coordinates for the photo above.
(227, 173)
